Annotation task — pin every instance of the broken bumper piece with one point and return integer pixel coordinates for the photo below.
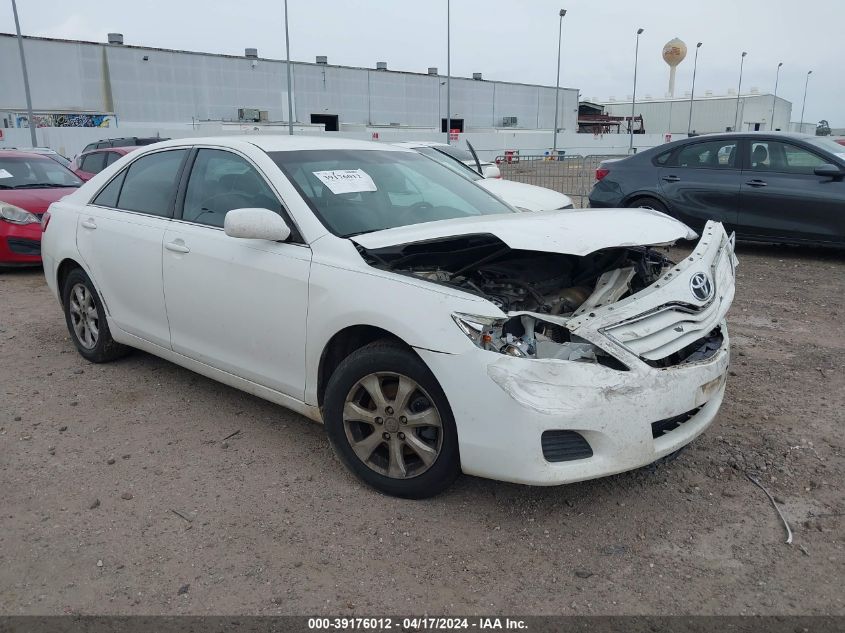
(550, 421)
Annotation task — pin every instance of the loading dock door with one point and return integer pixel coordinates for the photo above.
(457, 124)
(329, 120)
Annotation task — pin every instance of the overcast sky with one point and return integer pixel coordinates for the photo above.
(512, 40)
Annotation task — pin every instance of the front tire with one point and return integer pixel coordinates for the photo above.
(389, 422)
(86, 320)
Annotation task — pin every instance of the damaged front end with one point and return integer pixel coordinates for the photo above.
(603, 307)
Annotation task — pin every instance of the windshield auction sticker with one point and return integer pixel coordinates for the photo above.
(346, 180)
(5, 174)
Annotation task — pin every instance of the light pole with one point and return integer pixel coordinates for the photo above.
(25, 78)
(804, 103)
(557, 85)
(739, 89)
(634, 96)
(775, 98)
(692, 92)
(448, 72)
(287, 65)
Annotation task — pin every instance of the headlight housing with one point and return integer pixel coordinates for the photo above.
(16, 215)
(526, 336)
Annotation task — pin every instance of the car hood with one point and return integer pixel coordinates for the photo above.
(525, 196)
(576, 232)
(34, 200)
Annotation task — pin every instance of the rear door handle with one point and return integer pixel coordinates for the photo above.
(671, 178)
(177, 246)
(89, 223)
(756, 183)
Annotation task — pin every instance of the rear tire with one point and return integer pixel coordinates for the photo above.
(389, 422)
(86, 320)
(649, 203)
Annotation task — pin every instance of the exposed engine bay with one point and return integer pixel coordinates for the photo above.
(527, 285)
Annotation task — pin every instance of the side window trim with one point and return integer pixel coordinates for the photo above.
(295, 234)
(673, 159)
(785, 144)
(122, 174)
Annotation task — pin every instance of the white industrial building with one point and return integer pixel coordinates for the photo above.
(709, 113)
(84, 84)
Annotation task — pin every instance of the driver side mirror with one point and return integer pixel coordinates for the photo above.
(256, 224)
(829, 171)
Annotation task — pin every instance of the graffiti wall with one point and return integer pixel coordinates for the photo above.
(66, 120)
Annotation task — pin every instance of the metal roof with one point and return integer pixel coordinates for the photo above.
(270, 59)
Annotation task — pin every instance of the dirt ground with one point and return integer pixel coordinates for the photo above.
(120, 493)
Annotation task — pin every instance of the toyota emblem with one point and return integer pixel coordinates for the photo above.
(701, 287)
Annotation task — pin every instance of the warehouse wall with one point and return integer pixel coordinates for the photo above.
(176, 86)
(708, 115)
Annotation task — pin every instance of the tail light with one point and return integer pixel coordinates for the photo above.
(45, 220)
(601, 172)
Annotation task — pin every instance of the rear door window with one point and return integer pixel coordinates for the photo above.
(93, 163)
(109, 194)
(709, 155)
(112, 157)
(151, 182)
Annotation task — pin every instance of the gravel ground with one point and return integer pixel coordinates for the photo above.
(120, 492)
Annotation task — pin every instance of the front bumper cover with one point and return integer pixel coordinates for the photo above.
(502, 405)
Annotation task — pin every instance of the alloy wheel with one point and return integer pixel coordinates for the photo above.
(392, 425)
(84, 316)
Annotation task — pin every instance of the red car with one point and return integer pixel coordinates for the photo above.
(88, 164)
(29, 183)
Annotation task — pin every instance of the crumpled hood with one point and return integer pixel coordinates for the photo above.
(573, 232)
(34, 200)
(525, 196)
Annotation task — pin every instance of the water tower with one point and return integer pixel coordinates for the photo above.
(673, 54)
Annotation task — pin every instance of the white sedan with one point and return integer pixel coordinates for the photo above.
(521, 195)
(428, 325)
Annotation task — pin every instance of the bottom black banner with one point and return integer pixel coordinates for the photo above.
(408, 624)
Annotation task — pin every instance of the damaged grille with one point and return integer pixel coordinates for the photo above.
(702, 349)
(564, 446)
(662, 427)
(668, 334)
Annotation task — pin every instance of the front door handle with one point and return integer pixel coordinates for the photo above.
(177, 246)
(671, 178)
(756, 183)
(89, 224)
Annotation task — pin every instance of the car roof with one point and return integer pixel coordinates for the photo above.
(123, 149)
(792, 135)
(16, 153)
(413, 144)
(283, 143)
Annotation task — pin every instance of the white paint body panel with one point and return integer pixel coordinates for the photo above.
(258, 315)
(123, 252)
(525, 196)
(577, 232)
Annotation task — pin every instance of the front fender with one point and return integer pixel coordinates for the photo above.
(419, 315)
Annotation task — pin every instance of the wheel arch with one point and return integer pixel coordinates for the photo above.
(345, 342)
(645, 194)
(62, 271)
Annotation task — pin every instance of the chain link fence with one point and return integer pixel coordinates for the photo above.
(572, 174)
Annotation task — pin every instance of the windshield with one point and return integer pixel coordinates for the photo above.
(35, 172)
(452, 163)
(61, 160)
(354, 191)
(829, 145)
